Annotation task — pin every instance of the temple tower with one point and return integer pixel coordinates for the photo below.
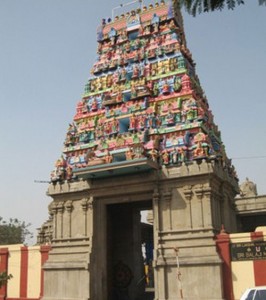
(143, 139)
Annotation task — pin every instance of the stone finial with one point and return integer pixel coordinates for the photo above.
(248, 189)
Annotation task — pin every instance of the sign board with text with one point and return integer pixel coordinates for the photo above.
(248, 251)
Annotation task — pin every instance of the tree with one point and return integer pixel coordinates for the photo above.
(4, 277)
(195, 7)
(14, 232)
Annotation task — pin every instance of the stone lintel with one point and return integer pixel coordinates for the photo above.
(251, 205)
(72, 242)
(184, 235)
(66, 265)
(184, 171)
(188, 261)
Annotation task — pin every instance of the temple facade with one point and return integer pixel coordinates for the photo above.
(143, 139)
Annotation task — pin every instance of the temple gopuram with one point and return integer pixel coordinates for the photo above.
(143, 139)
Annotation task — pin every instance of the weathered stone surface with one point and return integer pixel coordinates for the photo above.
(189, 206)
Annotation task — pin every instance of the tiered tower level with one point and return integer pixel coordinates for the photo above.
(143, 101)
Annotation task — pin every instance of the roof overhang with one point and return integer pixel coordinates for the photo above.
(116, 168)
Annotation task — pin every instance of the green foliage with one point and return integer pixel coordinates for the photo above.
(195, 7)
(13, 232)
(4, 277)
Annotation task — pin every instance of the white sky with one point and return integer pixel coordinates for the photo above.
(47, 50)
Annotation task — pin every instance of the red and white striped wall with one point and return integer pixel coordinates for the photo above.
(25, 265)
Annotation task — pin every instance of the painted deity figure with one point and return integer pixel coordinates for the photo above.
(147, 70)
(116, 77)
(177, 84)
(115, 125)
(109, 81)
(174, 156)
(160, 51)
(190, 114)
(170, 118)
(141, 53)
(108, 158)
(133, 91)
(165, 87)
(120, 141)
(129, 154)
(133, 122)
(119, 96)
(147, 30)
(165, 157)
(69, 173)
(142, 121)
(161, 69)
(153, 154)
(141, 70)
(123, 74)
(181, 154)
(155, 27)
(154, 69)
(123, 108)
(135, 71)
(156, 90)
(199, 151)
(122, 37)
(94, 105)
(200, 137)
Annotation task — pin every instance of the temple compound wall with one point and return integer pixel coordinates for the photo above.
(25, 265)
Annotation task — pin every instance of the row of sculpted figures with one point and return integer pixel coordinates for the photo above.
(161, 48)
(163, 88)
(119, 45)
(167, 149)
(87, 131)
(125, 74)
(132, 19)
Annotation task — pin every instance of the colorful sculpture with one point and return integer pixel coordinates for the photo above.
(143, 99)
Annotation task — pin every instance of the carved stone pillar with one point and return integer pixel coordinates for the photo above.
(200, 194)
(60, 211)
(84, 204)
(155, 199)
(69, 208)
(90, 216)
(188, 196)
(87, 206)
(156, 225)
(207, 207)
(54, 214)
(218, 209)
(168, 198)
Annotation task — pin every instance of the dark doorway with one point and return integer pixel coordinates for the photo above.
(128, 242)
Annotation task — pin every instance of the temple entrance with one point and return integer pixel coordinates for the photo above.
(129, 252)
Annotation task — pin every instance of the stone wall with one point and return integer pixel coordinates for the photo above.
(190, 203)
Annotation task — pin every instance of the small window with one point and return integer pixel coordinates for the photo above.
(123, 125)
